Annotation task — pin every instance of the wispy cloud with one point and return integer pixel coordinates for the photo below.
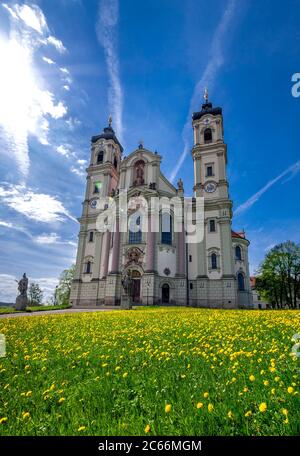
(208, 77)
(35, 206)
(291, 170)
(26, 106)
(49, 61)
(108, 17)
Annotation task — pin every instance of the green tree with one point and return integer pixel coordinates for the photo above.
(63, 289)
(35, 294)
(279, 276)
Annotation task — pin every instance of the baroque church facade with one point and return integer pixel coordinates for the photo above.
(165, 268)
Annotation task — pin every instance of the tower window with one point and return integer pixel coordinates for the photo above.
(212, 226)
(238, 253)
(88, 267)
(213, 261)
(209, 171)
(100, 156)
(241, 281)
(115, 163)
(207, 136)
(97, 187)
(190, 258)
(91, 236)
(191, 286)
(166, 229)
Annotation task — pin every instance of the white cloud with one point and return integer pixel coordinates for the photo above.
(73, 123)
(36, 206)
(79, 172)
(63, 150)
(292, 170)
(51, 238)
(47, 60)
(64, 70)
(67, 88)
(208, 77)
(82, 162)
(25, 107)
(32, 16)
(108, 17)
(57, 44)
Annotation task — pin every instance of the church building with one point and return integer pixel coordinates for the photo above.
(165, 268)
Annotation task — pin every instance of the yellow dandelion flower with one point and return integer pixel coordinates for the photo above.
(125, 374)
(290, 390)
(117, 368)
(61, 400)
(199, 405)
(210, 408)
(273, 390)
(246, 389)
(251, 378)
(3, 420)
(262, 407)
(168, 408)
(277, 379)
(230, 414)
(286, 421)
(206, 394)
(26, 415)
(29, 393)
(285, 412)
(81, 428)
(266, 382)
(247, 414)
(147, 428)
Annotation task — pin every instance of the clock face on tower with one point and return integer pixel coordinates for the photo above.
(210, 187)
(93, 204)
(206, 121)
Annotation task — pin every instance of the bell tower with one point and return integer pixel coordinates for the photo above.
(215, 265)
(93, 246)
(209, 152)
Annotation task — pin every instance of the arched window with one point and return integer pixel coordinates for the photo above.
(135, 233)
(115, 162)
(88, 267)
(207, 136)
(100, 157)
(241, 281)
(213, 261)
(139, 169)
(238, 252)
(166, 228)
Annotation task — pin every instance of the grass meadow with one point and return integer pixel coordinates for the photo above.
(163, 371)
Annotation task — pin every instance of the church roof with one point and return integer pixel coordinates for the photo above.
(108, 133)
(238, 234)
(207, 108)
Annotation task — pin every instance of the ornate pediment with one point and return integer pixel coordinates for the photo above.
(134, 255)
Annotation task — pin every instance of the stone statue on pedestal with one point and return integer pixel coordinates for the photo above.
(126, 298)
(22, 300)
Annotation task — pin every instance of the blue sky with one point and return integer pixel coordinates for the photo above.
(67, 64)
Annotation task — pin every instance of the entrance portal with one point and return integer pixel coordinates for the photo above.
(165, 293)
(136, 287)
